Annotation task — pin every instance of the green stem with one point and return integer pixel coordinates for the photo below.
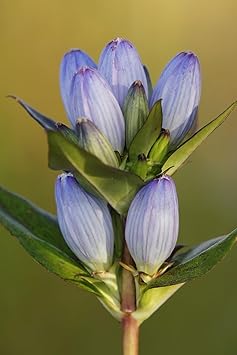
(130, 335)
(128, 306)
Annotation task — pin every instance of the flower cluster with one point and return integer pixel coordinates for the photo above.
(107, 104)
(117, 208)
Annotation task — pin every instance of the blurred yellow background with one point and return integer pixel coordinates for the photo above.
(40, 314)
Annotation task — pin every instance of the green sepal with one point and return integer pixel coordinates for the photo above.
(94, 142)
(195, 262)
(154, 170)
(149, 83)
(140, 167)
(187, 148)
(148, 134)
(151, 300)
(123, 162)
(135, 110)
(160, 149)
(109, 293)
(117, 187)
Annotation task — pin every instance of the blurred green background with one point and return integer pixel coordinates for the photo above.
(40, 314)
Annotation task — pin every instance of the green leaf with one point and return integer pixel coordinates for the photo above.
(33, 218)
(149, 83)
(148, 134)
(38, 233)
(89, 284)
(117, 187)
(188, 147)
(45, 122)
(196, 261)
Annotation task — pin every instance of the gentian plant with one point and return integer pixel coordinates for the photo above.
(117, 223)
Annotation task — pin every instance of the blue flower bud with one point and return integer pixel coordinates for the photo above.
(121, 65)
(85, 223)
(179, 86)
(71, 63)
(152, 224)
(91, 97)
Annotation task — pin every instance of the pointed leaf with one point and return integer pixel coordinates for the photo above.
(38, 233)
(89, 284)
(149, 83)
(188, 147)
(148, 134)
(117, 187)
(69, 135)
(47, 123)
(44, 121)
(196, 261)
(33, 218)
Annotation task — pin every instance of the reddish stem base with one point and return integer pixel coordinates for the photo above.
(130, 335)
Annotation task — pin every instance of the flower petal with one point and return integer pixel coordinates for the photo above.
(179, 86)
(152, 224)
(85, 223)
(121, 65)
(71, 63)
(92, 97)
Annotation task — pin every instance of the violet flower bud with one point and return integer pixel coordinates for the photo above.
(70, 64)
(121, 65)
(85, 223)
(91, 97)
(179, 88)
(152, 224)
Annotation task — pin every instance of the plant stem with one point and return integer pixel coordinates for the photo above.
(130, 335)
(128, 305)
(128, 289)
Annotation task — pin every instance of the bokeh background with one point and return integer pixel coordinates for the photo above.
(40, 314)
